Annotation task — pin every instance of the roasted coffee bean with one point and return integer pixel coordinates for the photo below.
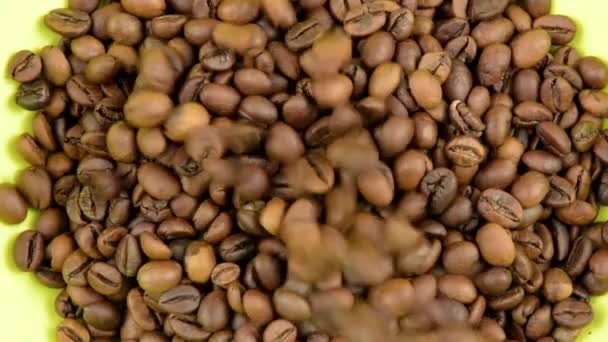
(72, 330)
(35, 185)
(34, 95)
(493, 63)
(441, 186)
(465, 120)
(572, 313)
(491, 235)
(13, 208)
(199, 261)
(67, 22)
(500, 207)
(25, 67)
(540, 323)
(508, 300)
(561, 28)
(529, 48)
(465, 151)
(128, 256)
(580, 253)
(182, 299)
(28, 252)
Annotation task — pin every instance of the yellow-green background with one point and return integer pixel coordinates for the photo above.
(26, 309)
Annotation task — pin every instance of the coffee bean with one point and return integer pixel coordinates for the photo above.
(493, 64)
(491, 235)
(213, 313)
(531, 188)
(28, 252)
(199, 261)
(561, 28)
(67, 22)
(257, 306)
(580, 253)
(34, 95)
(72, 330)
(426, 89)
(159, 276)
(25, 67)
(182, 299)
(280, 330)
(500, 207)
(457, 287)
(75, 268)
(441, 186)
(104, 278)
(530, 47)
(128, 256)
(572, 313)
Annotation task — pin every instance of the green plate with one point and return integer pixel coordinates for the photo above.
(26, 308)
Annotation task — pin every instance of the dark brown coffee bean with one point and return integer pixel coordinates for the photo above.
(441, 186)
(34, 95)
(581, 251)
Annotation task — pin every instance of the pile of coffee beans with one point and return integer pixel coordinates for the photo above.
(313, 170)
